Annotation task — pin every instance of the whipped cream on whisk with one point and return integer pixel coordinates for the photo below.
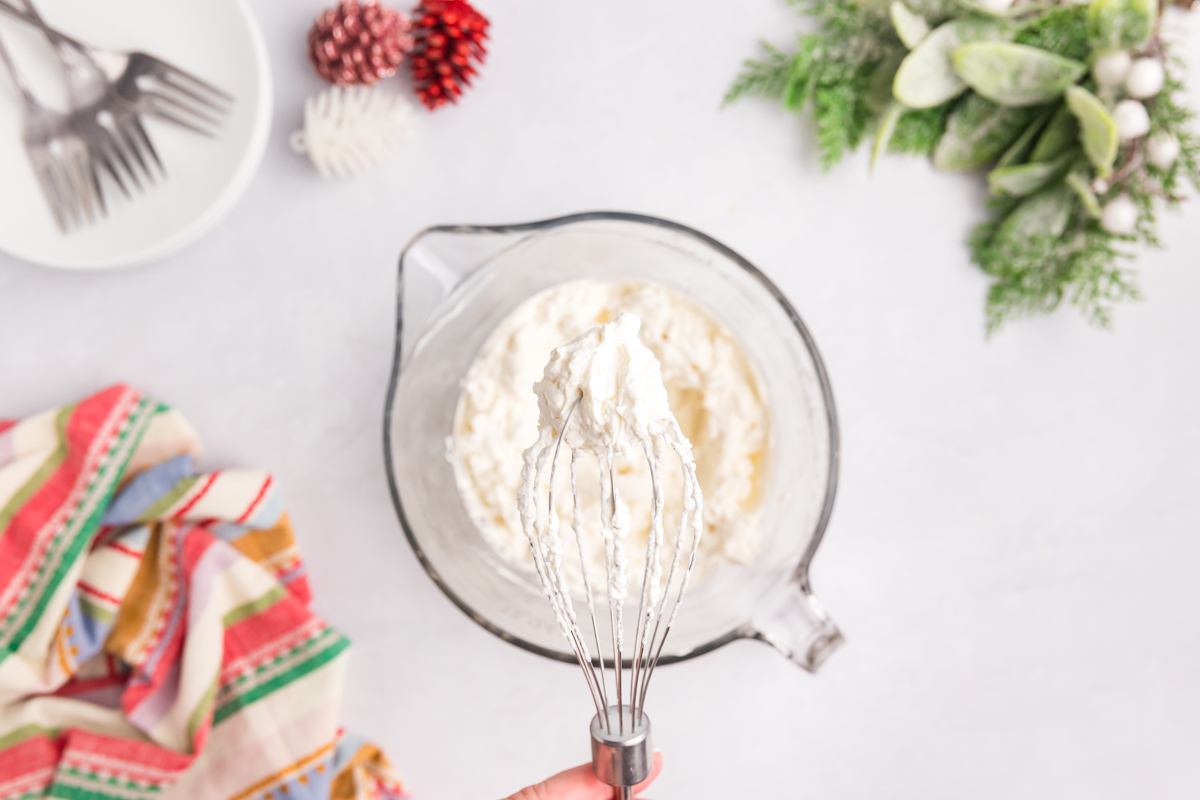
(602, 394)
(606, 389)
(619, 386)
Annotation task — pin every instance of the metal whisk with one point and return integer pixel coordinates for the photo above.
(620, 731)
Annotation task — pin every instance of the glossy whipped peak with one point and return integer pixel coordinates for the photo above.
(617, 383)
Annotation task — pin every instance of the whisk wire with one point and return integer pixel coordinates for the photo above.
(553, 577)
(614, 602)
(609, 566)
(658, 605)
(693, 505)
(647, 600)
(577, 527)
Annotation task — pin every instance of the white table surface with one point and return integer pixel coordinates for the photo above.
(1014, 549)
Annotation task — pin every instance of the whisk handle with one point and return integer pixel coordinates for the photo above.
(622, 755)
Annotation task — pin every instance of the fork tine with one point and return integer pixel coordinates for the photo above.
(93, 177)
(79, 185)
(139, 134)
(65, 192)
(63, 187)
(104, 155)
(167, 71)
(85, 180)
(45, 176)
(194, 95)
(174, 102)
(165, 114)
(113, 146)
(133, 146)
(90, 166)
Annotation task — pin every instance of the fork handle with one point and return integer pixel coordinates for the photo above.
(36, 21)
(31, 9)
(17, 77)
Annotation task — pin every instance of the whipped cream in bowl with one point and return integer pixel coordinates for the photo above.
(481, 310)
(711, 388)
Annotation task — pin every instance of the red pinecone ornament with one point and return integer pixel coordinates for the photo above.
(359, 43)
(449, 36)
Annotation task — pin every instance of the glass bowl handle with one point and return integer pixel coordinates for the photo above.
(797, 626)
(434, 263)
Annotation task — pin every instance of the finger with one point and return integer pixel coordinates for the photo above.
(657, 768)
(579, 783)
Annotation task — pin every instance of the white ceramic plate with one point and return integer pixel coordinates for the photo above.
(217, 40)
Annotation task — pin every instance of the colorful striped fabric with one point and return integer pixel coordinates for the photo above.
(156, 639)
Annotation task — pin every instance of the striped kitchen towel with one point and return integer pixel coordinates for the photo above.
(156, 639)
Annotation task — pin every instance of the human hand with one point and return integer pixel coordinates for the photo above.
(579, 783)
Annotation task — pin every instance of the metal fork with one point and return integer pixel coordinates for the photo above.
(112, 130)
(60, 158)
(147, 83)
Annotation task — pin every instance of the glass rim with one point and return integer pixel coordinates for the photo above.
(799, 575)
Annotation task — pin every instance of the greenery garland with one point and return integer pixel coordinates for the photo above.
(1072, 108)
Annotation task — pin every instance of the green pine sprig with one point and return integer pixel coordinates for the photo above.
(1035, 276)
(829, 70)
(1168, 115)
(843, 73)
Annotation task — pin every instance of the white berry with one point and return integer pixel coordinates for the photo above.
(1146, 77)
(1162, 149)
(1131, 119)
(995, 6)
(1110, 69)
(1120, 216)
(1100, 186)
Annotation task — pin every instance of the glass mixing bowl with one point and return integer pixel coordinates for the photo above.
(458, 282)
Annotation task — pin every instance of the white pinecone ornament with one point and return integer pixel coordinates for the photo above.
(348, 129)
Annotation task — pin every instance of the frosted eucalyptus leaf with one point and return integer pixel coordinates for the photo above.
(887, 126)
(1077, 179)
(1018, 151)
(1028, 178)
(1000, 9)
(1015, 74)
(1097, 130)
(1044, 214)
(910, 27)
(1121, 24)
(1061, 132)
(926, 77)
(977, 131)
(879, 93)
